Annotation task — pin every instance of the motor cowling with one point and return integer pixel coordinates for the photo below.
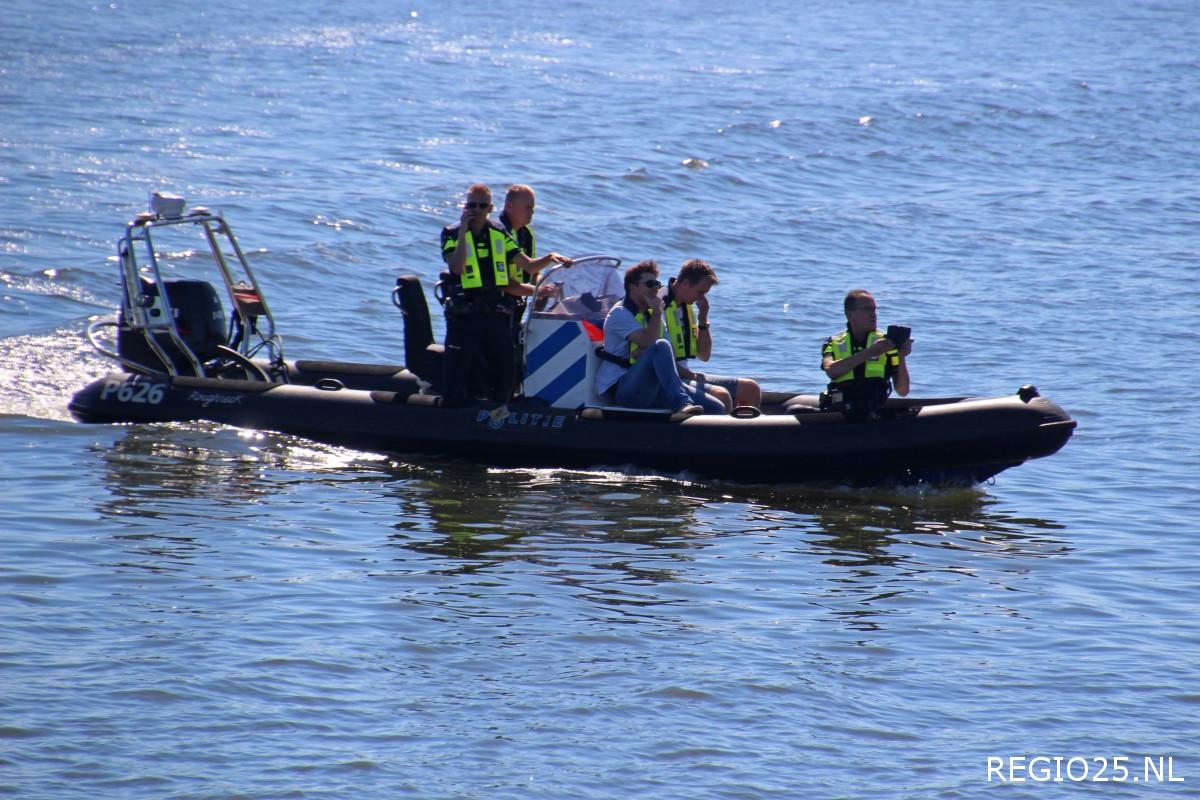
(199, 319)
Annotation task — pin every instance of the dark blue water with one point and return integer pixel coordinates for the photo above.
(200, 612)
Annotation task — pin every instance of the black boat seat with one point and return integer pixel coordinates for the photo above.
(422, 357)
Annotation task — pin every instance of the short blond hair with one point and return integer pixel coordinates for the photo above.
(518, 190)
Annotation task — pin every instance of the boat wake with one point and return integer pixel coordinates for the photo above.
(40, 372)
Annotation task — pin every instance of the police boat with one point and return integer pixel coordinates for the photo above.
(182, 359)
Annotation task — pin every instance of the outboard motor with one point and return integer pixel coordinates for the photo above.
(199, 317)
(422, 357)
(199, 321)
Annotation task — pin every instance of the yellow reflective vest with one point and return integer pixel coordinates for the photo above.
(840, 346)
(501, 246)
(683, 337)
(643, 319)
(530, 251)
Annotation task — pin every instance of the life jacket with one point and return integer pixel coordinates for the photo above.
(515, 233)
(843, 348)
(532, 251)
(472, 276)
(642, 319)
(682, 337)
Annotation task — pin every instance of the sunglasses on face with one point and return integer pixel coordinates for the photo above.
(480, 206)
(652, 283)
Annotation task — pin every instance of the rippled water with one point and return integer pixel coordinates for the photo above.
(194, 611)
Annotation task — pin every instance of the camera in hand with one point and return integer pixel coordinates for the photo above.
(898, 334)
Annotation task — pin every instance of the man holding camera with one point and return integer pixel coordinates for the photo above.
(863, 363)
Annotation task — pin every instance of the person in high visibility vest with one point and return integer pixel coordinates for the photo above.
(686, 317)
(483, 282)
(519, 203)
(637, 366)
(515, 219)
(861, 361)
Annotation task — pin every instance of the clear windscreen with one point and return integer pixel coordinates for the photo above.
(586, 290)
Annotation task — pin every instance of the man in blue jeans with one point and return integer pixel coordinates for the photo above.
(638, 367)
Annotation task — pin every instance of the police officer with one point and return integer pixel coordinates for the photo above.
(862, 362)
(519, 202)
(485, 279)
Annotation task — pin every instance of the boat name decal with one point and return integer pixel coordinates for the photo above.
(524, 419)
(133, 390)
(206, 399)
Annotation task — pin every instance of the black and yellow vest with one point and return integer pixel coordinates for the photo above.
(643, 319)
(529, 247)
(472, 276)
(531, 250)
(682, 337)
(840, 346)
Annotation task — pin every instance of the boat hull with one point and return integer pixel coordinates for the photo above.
(958, 441)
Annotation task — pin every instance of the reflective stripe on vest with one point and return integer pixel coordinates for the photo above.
(515, 233)
(843, 348)
(519, 275)
(642, 320)
(633, 348)
(683, 337)
(472, 278)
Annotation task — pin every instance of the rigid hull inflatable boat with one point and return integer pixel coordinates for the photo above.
(183, 360)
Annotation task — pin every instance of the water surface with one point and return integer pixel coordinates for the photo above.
(192, 611)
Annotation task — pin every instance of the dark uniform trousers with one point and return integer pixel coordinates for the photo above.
(479, 352)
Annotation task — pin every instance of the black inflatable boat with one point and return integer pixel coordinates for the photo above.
(184, 360)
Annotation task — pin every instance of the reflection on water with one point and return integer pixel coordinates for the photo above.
(620, 539)
(152, 464)
(611, 539)
(306, 585)
(477, 511)
(891, 550)
(174, 487)
(604, 540)
(865, 524)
